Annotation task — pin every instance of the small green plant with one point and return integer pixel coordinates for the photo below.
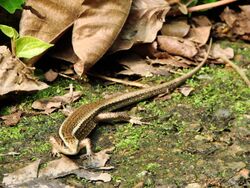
(11, 5)
(25, 46)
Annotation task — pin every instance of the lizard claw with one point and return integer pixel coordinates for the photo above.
(54, 151)
(137, 121)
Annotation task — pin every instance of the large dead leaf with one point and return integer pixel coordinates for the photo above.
(57, 16)
(15, 76)
(96, 29)
(145, 20)
(96, 26)
(58, 168)
(28, 173)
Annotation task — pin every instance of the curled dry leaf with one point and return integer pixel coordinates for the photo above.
(145, 20)
(12, 119)
(177, 46)
(50, 105)
(16, 76)
(96, 29)
(186, 90)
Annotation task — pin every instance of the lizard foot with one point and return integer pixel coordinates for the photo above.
(54, 151)
(137, 121)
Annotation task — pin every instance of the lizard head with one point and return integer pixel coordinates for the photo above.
(70, 147)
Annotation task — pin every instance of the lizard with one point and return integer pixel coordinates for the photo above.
(74, 130)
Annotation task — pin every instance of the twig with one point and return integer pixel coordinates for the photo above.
(135, 84)
(237, 69)
(10, 153)
(66, 76)
(209, 5)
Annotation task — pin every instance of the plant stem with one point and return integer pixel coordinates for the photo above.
(209, 5)
(13, 47)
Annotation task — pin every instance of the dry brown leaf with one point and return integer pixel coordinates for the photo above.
(96, 26)
(58, 16)
(28, 173)
(186, 90)
(99, 160)
(12, 119)
(58, 168)
(50, 105)
(145, 20)
(199, 35)
(229, 16)
(45, 183)
(175, 28)
(15, 76)
(50, 75)
(177, 46)
(238, 22)
(96, 29)
(93, 176)
(171, 62)
(29, 176)
(217, 52)
(135, 65)
(201, 21)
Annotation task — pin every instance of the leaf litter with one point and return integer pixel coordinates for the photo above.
(31, 175)
(48, 106)
(187, 46)
(15, 76)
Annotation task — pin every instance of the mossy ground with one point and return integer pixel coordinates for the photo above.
(201, 138)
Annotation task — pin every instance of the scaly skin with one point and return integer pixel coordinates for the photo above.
(75, 129)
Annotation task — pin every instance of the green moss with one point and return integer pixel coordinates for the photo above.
(153, 167)
(129, 137)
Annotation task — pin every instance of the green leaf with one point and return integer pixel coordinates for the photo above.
(28, 47)
(11, 5)
(9, 31)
